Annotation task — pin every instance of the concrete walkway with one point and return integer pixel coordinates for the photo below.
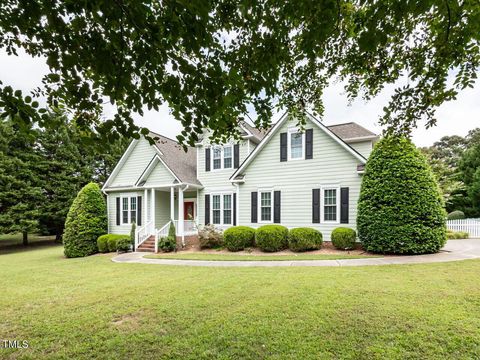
(454, 250)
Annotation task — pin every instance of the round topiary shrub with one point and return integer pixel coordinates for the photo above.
(271, 238)
(400, 209)
(102, 244)
(304, 239)
(456, 215)
(124, 244)
(112, 242)
(238, 238)
(343, 238)
(86, 221)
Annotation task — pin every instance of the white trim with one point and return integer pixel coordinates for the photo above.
(222, 220)
(172, 203)
(322, 203)
(152, 202)
(108, 214)
(361, 139)
(275, 128)
(129, 209)
(119, 165)
(259, 206)
(222, 157)
(151, 165)
(194, 200)
(291, 131)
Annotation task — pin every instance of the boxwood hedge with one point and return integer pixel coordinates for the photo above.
(238, 238)
(400, 209)
(303, 239)
(343, 238)
(110, 242)
(271, 238)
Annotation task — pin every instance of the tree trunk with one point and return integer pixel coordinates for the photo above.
(25, 238)
(58, 236)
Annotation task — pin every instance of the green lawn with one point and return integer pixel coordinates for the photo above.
(93, 308)
(237, 257)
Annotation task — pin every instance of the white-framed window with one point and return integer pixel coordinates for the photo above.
(266, 206)
(296, 144)
(222, 157)
(129, 209)
(331, 204)
(221, 208)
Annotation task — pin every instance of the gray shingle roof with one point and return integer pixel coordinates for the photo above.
(182, 164)
(350, 131)
(258, 133)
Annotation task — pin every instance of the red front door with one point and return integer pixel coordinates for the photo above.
(188, 210)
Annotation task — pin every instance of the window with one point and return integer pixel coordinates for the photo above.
(227, 157)
(129, 209)
(227, 209)
(266, 206)
(217, 157)
(216, 211)
(222, 157)
(330, 205)
(222, 209)
(296, 141)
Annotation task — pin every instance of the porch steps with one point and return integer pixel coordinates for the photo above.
(148, 245)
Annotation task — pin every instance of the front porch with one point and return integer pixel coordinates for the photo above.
(164, 204)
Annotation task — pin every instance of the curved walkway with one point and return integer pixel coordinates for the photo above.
(454, 250)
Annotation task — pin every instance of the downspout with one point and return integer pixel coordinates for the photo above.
(237, 204)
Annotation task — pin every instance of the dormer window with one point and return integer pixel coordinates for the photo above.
(296, 141)
(222, 157)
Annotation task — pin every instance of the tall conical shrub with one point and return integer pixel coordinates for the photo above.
(400, 209)
(86, 221)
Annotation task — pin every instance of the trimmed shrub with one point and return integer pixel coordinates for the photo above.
(124, 244)
(400, 209)
(456, 215)
(210, 237)
(271, 238)
(132, 233)
(109, 242)
(451, 235)
(86, 221)
(303, 239)
(238, 238)
(167, 244)
(102, 244)
(343, 238)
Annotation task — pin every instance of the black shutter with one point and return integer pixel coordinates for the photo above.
(276, 207)
(118, 211)
(344, 198)
(207, 159)
(207, 209)
(309, 144)
(236, 156)
(139, 210)
(254, 207)
(316, 206)
(283, 147)
(234, 222)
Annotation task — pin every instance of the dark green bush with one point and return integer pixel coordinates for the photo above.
(210, 237)
(343, 238)
(271, 238)
(102, 244)
(86, 221)
(400, 209)
(132, 233)
(124, 244)
(112, 243)
(456, 215)
(238, 238)
(303, 239)
(167, 243)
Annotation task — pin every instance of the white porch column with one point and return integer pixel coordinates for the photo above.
(145, 202)
(172, 203)
(237, 210)
(153, 209)
(180, 215)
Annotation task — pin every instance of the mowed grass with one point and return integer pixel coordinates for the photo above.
(236, 257)
(92, 308)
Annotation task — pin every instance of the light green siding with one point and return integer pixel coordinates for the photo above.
(159, 176)
(363, 147)
(134, 165)
(113, 228)
(331, 165)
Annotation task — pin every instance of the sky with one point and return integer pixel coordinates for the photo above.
(454, 118)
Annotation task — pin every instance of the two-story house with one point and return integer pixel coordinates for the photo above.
(287, 176)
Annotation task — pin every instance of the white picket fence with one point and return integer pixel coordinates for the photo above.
(471, 226)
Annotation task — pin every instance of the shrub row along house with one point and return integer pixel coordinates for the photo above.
(297, 178)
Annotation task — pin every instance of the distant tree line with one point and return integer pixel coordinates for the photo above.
(41, 171)
(455, 161)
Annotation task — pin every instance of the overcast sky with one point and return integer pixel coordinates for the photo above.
(456, 117)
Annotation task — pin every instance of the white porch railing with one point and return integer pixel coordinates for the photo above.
(189, 227)
(143, 233)
(163, 232)
(471, 226)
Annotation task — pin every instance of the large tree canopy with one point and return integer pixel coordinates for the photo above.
(211, 61)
